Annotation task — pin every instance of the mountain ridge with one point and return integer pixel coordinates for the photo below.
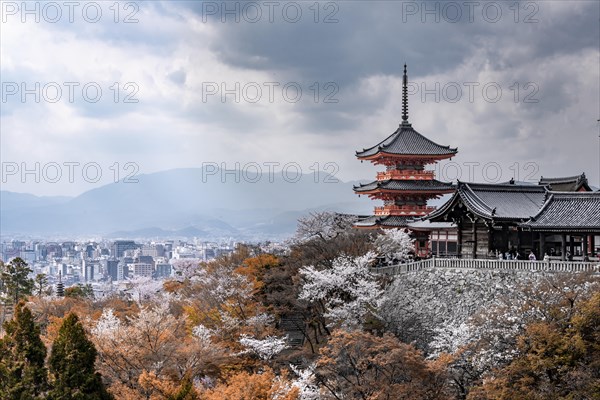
(217, 205)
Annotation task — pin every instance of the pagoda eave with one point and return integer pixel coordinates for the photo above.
(401, 192)
(383, 221)
(383, 157)
(369, 227)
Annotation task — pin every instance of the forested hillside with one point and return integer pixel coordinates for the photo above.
(311, 323)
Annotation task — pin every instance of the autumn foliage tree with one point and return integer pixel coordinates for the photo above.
(359, 365)
(256, 386)
(150, 354)
(557, 359)
(229, 329)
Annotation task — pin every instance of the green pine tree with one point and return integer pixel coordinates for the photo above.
(15, 280)
(72, 367)
(41, 285)
(22, 355)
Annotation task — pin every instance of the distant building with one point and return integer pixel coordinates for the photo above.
(120, 246)
(184, 253)
(122, 271)
(111, 268)
(87, 268)
(142, 269)
(153, 250)
(162, 270)
(53, 250)
(145, 259)
(88, 250)
(28, 255)
(68, 247)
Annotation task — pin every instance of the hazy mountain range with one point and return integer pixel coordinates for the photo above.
(181, 203)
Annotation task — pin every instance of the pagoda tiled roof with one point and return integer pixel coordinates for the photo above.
(426, 185)
(427, 225)
(407, 141)
(507, 202)
(567, 184)
(386, 221)
(568, 212)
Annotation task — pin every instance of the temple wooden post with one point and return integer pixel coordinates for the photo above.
(593, 245)
(505, 235)
(572, 245)
(474, 252)
(584, 239)
(563, 247)
(490, 233)
(459, 238)
(542, 245)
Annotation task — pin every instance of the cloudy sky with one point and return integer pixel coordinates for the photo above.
(139, 87)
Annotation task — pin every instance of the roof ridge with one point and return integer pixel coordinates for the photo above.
(564, 179)
(515, 187)
(478, 199)
(565, 193)
(543, 207)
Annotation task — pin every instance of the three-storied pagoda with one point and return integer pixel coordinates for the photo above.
(405, 186)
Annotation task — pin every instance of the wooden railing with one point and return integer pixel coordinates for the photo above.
(504, 265)
(405, 174)
(403, 210)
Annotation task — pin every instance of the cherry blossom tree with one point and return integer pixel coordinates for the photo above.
(155, 344)
(394, 245)
(348, 291)
(265, 348)
(145, 289)
(306, 382)
(323, 225)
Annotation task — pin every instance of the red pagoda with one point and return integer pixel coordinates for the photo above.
(405, 186)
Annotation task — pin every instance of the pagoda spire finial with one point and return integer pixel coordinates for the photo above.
(405, 97)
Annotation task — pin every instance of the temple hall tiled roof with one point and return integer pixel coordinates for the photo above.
(496, 201)
(427, 185)
(567, 184)
(568, 212)
(407, 141)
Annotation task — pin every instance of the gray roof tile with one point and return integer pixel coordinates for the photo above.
(567, 184)
(407, 141)
(389, 221)
(426, 185)
(568, 211)
(496, 201)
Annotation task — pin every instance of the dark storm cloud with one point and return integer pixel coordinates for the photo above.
(376, 38)
(367, 39)
(175, 48)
